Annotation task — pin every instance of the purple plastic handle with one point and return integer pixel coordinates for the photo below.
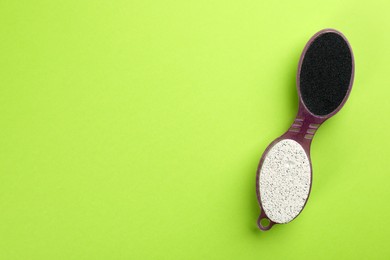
(304, 126)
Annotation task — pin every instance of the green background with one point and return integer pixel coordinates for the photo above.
(133, 130)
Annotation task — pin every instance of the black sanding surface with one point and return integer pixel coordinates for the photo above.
(325, 73)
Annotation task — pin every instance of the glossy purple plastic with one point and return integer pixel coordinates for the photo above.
(304, 126)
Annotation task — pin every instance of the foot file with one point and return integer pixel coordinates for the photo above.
(324, 81)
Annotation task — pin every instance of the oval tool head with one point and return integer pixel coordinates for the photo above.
(325, 73)
(285, 180)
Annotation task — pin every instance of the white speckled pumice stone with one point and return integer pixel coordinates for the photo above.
(285, 181)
